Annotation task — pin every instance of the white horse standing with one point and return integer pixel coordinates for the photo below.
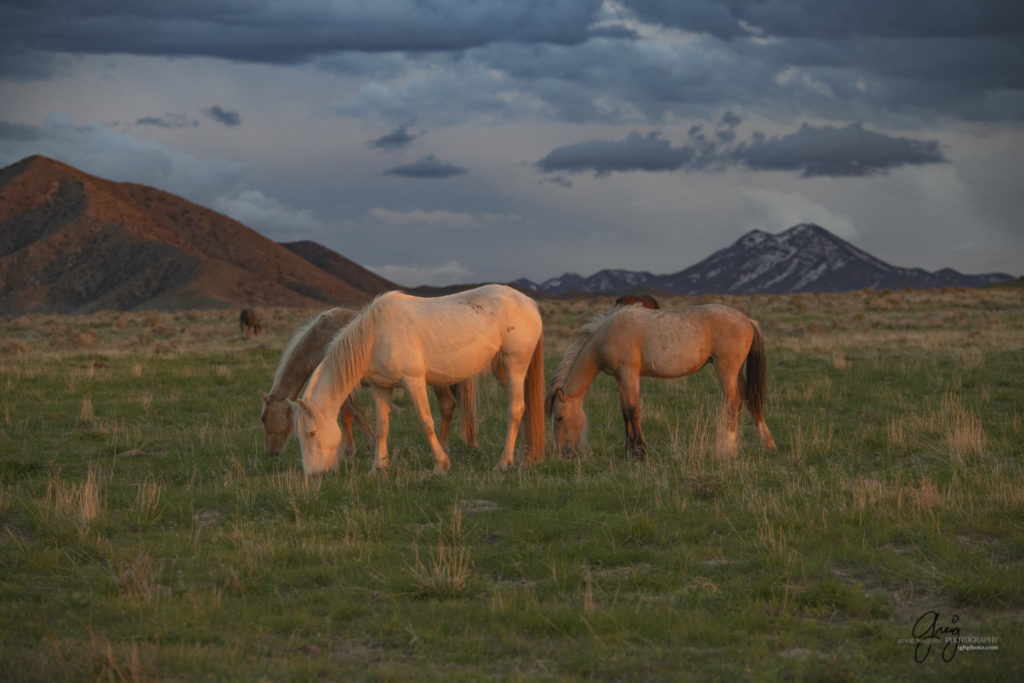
(402, 340)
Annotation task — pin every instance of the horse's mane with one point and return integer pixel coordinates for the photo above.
(347, 355)
(292, 347)
(579, 340)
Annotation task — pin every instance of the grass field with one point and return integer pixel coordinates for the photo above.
(144, 536)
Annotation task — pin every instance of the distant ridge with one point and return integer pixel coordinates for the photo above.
(804, 258)
(74, 243)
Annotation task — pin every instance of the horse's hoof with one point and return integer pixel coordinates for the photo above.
(504, 467)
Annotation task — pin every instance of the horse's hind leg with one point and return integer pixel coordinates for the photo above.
(446, 403)
(513, 378)
(767, 442)
(346, 427)
(629, 400)
(417, 390)
(728, 377)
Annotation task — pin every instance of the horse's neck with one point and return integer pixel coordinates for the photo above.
(303, 359)
(582, 371)
(344, 365)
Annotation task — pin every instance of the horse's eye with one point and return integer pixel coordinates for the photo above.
(559, 418)
(310, 435)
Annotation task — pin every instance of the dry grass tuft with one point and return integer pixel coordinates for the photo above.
(77, 503)
(447, 569)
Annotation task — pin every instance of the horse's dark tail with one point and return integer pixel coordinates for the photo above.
(756, 385)
(352, 403)
(533, 417)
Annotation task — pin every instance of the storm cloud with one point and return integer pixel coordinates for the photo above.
(168, 121)
(427, 167)
(223, 116)
(276, 31)
(396, 139)
(831, 151)
(811, 151)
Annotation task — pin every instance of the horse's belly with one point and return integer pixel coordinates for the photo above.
(458, 367)
(668, 365)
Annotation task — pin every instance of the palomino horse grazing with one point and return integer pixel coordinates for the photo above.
(301, 356)
(631, 342)
(645, 300)
(402, 340)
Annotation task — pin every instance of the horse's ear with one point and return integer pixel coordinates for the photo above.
(264, 395)
(549, 402)
(296, 406)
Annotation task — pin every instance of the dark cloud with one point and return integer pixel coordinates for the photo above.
(812, 18)
(636, 153)
(427, 167)
(830, 151)
(811, 151)
(168, 121)
(221, 115)
(396, 139)
(272, 31)
(579, 60)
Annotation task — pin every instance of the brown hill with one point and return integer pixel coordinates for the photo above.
(340, 267)
(71, 242)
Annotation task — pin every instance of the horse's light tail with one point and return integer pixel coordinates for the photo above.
(757, 375)
(467, 398)
(533, 417)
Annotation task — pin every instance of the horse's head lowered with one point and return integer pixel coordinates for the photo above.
(568, 421)
(277, 424)
(319, 437)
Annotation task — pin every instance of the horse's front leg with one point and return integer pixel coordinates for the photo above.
(629, 400)
(417, 390)
(382, 404)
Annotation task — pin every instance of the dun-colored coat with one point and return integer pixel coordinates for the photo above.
(634, 341)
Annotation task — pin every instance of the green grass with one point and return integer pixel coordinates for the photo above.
(144, 536)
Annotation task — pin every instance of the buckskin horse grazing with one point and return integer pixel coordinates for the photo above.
(304, 352)
(633, 341)
(402, 340)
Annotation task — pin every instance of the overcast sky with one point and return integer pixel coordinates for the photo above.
(444, 141)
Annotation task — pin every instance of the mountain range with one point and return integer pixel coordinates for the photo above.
(804, 258)
(74, 243)
(71, 242)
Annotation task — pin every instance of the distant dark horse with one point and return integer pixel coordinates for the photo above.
(645, 300)
(249, 319)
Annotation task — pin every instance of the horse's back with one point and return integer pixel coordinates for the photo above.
(454, 336)
(480, 307)
(675, 342)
